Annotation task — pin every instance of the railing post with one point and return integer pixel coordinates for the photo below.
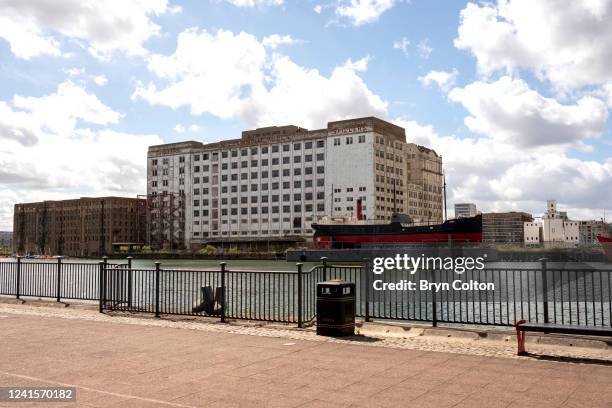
(324, 260)
(18, 276)
(157, 272)
(366, 271)
(101, 285)
(129, 282)
(222, 264)
(434, 303)
(58, 290)
(545, 288)
(300, 297)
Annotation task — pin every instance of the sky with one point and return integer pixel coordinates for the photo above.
(515, 94)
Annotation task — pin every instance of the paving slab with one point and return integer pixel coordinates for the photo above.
(116, 362)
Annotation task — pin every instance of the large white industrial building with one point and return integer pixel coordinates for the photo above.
(274, 182)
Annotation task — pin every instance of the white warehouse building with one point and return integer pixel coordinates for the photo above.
(274, 182)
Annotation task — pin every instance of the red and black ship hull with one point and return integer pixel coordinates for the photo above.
(360, 235)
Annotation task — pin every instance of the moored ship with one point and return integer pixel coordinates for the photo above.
(606, 245)
(399, 231)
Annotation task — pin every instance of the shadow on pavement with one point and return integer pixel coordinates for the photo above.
(575, 360)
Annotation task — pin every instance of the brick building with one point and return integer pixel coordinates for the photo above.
(80, 227)
(504, 227)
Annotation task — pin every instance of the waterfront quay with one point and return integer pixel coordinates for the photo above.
(137, 362)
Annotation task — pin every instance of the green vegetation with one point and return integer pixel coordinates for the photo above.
(208, 250)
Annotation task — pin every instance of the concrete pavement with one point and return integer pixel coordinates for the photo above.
(130, 365)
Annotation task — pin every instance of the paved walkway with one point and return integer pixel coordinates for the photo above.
(145, 365)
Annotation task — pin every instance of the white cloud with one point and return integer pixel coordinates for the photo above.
(247, 83)
(318, 8)
(255, 3)
(36, 28)
(74, 71)
(274, 40)
(46, 152)
(499, 176)
(359, 65)
(568, 45)
(402, 44)
(508, 110)
(182, 129)
(100, 80)
(443, 79)
(361, 12)
(60, 111)
(424, 49)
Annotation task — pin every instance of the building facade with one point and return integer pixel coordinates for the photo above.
(6, 239)
(465, 210)
(557, 230)
(533, 233)
(589, 230)
(80, 227)
(274, 182)
(504, 227)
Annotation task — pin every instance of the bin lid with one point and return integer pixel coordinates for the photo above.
(335, 282)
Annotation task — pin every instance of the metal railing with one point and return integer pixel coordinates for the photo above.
(565, 296)
(58, 279)
(277, 296)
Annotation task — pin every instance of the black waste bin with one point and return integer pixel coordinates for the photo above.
(335, 308)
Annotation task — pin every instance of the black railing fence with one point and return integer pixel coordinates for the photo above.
(566, 296)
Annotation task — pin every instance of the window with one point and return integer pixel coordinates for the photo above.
(337, 141)
(224, 154)
(308, 145)
(286, 148)
(320, 156)
(361, 138)
(320, 143)
(297, 159)
(274, 148)
(297, 146)
(253, 150)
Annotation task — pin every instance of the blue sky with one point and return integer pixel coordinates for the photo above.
(514, 95)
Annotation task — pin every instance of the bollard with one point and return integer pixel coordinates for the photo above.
(545, 288)
(157, 271)
(299, 285)
(324, 260)
(18, 275)
(222, 264)
(58, 290)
